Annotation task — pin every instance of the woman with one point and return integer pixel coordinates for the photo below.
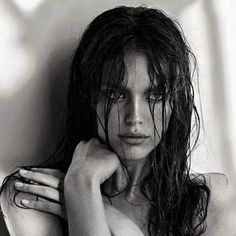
(122, 167)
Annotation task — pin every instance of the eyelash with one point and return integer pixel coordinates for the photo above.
(113, 95)
(156, 96)
(121, 96)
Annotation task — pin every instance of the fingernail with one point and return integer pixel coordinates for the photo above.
(24, 201)
(23, 171)
(18, 184)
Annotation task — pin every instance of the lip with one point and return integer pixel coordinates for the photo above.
(133, 138)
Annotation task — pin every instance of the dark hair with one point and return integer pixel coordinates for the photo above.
(178, 202)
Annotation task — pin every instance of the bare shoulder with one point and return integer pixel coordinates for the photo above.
(222, 204)
(27, 222)
(219, 185)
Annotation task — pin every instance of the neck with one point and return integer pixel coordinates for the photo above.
(137, 169)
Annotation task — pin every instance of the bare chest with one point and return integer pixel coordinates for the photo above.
(136, 210)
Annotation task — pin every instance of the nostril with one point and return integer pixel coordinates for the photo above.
(129, 120)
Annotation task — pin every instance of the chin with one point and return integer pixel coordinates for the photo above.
(133, 153)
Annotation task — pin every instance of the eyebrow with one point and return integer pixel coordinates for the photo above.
(124, 88)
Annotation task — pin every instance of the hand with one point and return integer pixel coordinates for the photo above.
(91, 161)
(47, 186)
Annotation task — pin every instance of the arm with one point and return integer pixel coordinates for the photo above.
(91, 165)
(85, 209)
(27, 222)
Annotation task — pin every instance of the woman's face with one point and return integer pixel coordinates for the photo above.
(130, 124)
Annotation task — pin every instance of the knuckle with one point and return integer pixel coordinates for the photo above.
(94, 141)
(30, 174)
(27, 187)
(78, 147)
(82, 142)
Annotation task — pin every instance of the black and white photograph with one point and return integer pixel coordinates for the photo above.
(117, 118)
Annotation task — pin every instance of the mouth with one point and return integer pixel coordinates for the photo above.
(133, 138)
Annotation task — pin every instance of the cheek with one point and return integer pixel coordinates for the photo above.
(113, 123)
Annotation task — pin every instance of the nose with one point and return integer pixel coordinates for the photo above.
(134, 113)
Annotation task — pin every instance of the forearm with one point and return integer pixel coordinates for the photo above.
(85, 209)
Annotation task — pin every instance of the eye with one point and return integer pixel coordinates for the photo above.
(155, 96)
(114, 95)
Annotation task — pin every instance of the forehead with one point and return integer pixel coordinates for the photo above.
(135, 71)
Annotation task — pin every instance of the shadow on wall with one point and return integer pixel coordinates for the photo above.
(32, 103)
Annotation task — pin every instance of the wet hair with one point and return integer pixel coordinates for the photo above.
(178, 202)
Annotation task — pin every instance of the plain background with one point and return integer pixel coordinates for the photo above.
(37, 40)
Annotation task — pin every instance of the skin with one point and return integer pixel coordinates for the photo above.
(76, 195)
(131, 115)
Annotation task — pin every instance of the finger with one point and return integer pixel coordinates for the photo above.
(120, 178)
(117, 182)
(55, 172)
(46, 206)
(44, 179)
(95, 140)
(97, 143)
(117, 179)
(43, 191)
